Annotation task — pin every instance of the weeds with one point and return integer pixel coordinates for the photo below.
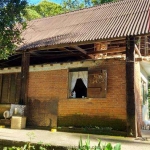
(81, 145)
(87, 146)
(28, 145)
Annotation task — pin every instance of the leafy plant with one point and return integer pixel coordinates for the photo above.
(43, 146)
(31, 136)
(28, 145)
(81, 146)
(87, 146)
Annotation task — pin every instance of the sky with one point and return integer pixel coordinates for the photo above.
(37, 1)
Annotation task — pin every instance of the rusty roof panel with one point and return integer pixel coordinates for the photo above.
(107, 21)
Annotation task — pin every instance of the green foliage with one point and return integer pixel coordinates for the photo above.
(31, 136)
(14, 12)
(32, 14)
(98, 2)
(81, 146)
(25, 147)
(99, 146)
(43, 146)
(71, 5)
(11, 25)
(28, 145)
(44, 9)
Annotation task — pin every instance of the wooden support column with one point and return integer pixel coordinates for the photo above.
(130, 96)
(24, 77)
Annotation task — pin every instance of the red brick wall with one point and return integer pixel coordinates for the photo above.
(44, 91)
(112, 107)
(48, 84)
(53, 86)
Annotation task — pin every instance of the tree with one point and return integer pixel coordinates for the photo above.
(44, 9)
(98, 2)
(32, 13)
(11, 25)
(71, 5)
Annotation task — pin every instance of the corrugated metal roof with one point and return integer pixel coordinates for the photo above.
(107, 21)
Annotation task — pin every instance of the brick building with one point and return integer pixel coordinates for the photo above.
(85, 68)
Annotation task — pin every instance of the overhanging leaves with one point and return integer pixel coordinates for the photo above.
(11, 25)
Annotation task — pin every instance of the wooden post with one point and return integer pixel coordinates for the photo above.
(24, 77)
(130, 96)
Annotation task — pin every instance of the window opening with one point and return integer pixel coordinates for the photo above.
(84, 82)
(80, 90)
(78, 84)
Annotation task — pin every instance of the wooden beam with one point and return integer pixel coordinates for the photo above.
(117, 42)
(71, 44)
(101, 46)
(137, 50)
(130, 91)
(34, 53)
(77, 43)
(65, 49)
(1, 89)
(139, 59)
(9, 87)
(116, 50)
(146, 45)
(143, 59)
(139, 45)
(45, 56)
(79, 49)
(83, 51)
(24, 77)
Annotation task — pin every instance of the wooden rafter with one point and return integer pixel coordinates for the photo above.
(34, 53)
(65, 49)
(79, 49)
(83, 51)
(62, 56)
(77, 43)
(116, 50)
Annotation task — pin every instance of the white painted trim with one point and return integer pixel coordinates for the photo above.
(61, 66)
(10, 70)
(55, 66)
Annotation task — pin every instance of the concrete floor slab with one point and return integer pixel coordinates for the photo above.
(72, 139)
